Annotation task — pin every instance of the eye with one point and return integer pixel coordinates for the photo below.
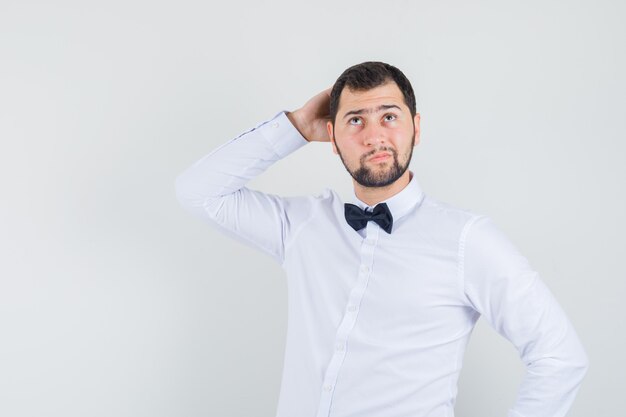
(358, 121)
(390, 117)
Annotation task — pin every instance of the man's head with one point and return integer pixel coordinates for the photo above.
(373, 111)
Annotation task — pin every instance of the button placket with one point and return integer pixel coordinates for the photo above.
(349, 319)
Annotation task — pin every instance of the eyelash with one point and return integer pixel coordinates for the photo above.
(390, 114)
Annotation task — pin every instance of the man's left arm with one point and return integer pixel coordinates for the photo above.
(502, 286)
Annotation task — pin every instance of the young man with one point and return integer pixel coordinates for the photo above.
(383, 291)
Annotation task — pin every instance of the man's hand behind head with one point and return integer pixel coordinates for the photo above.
(310, 119)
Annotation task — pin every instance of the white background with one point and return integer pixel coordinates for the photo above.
(115, 302)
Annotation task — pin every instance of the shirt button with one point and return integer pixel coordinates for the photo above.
(364, 269)
(328, 387)
(339, 347)
(352, 308)
(275, 125)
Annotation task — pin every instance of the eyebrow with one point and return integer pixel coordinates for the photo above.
(379, 108)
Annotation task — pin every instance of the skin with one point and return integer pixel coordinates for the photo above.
(361, 130)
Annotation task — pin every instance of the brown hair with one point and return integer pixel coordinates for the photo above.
(368, 75)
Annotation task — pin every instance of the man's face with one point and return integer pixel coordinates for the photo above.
(372, 123)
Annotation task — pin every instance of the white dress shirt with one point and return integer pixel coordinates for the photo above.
(378, 323)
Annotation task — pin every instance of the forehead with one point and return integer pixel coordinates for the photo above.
(388, 93)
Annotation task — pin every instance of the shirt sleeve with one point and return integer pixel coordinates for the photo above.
(214, 187)
(501, 285)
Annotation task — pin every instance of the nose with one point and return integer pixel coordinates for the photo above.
(374, 135)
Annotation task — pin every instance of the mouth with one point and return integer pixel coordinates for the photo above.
(380, 157)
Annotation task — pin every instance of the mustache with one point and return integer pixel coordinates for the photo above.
(375, 151)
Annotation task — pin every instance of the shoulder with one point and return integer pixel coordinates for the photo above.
(457, 219)
(480, 242)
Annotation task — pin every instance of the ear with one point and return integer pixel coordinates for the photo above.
(416, 120)
(329, 128)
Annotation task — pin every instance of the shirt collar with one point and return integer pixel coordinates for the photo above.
(400, 203)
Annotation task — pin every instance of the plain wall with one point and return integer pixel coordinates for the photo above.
(115, 302)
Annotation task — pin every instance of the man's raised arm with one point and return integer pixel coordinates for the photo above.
(214, 187)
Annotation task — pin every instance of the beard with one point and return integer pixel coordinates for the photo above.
(383, 174)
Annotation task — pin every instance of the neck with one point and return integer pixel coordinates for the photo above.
(374, 195)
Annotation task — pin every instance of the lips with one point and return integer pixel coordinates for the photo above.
(380, 156)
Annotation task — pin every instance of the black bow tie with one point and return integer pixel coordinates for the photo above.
(358, 218)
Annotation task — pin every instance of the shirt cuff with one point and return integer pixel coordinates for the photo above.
(282, 134)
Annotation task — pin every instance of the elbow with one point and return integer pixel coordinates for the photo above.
(195, 197)
(576, 361)
(577, 365)
(569, 365)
